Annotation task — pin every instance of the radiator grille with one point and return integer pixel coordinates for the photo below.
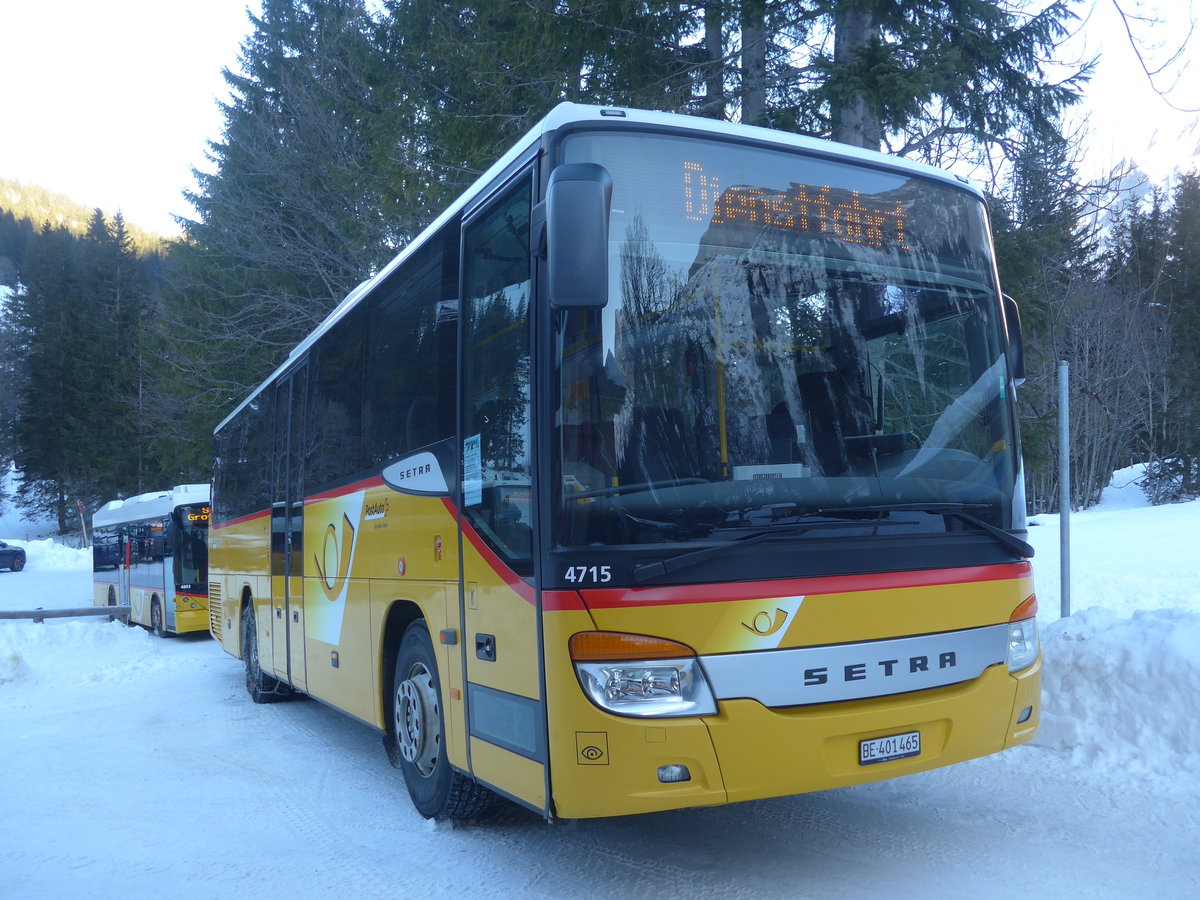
(215, 610)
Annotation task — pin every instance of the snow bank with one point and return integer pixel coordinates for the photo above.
(14, 524)
(1120, 694)
(49, 555)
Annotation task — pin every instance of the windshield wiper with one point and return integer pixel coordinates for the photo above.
(951, 510)
(646, 571)
(632, 488)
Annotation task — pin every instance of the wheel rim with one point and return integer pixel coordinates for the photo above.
(417, 720)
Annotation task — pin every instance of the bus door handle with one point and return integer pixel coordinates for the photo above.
(485, 647)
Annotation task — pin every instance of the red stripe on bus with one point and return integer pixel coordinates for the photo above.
(495, 563)
(612, 598)
(346, 489)
(562, 601)
(249, 517)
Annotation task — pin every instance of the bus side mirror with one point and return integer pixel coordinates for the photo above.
(1016, 344)
(577, 208)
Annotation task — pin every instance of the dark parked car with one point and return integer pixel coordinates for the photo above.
(11, 557)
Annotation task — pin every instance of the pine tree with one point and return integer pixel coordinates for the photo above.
(1181, 273)
(293, 217)
(73, 335)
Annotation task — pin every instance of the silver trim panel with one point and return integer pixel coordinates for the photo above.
(807, 675)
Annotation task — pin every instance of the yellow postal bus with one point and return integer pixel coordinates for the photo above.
(150, 553)
(675, 464)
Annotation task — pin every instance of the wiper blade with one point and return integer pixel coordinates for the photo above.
(953, 510)
(638, 488)
(646, 571)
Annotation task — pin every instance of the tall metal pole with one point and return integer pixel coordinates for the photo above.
(1064, 490)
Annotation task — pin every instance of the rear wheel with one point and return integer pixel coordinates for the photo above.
(261, 687)
(18, 562)
(156, 619)
(417, 736)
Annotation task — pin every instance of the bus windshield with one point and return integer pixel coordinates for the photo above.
(787, 338)
(191, 561)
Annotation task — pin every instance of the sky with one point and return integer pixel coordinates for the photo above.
(112, 103)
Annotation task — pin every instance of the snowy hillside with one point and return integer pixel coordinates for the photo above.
(136, 767)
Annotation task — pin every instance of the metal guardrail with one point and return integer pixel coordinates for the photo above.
(41, 615)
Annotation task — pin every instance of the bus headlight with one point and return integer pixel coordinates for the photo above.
(637, 675)
(1023, 636)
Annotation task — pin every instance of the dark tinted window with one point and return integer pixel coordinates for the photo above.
(241, 469)
(334, 429)
(496, 455)
(408, 400)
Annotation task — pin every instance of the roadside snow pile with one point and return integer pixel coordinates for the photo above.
(73, 652)
(12, 665)
(1120, 694)
(51, 555)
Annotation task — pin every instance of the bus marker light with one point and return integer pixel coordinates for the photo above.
(1026, 715)
(674, 774)
(1027, 610)
(611, 646)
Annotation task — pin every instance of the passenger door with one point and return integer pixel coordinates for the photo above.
(506, 718)
(287, 531)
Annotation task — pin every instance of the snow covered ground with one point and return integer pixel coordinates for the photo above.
(134, 767)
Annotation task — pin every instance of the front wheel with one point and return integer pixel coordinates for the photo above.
(417, 736)
(156, 619)
(261, 687)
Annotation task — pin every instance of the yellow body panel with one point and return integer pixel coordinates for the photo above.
(603, 764)
(515, 775)
(191, 613)
(366, 550)
(100, 592)
(813, 619)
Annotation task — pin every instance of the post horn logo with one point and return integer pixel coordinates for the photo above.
(765, 626)
(334, 569)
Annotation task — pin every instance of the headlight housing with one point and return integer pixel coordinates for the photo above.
(1023, 644)
(640, 676)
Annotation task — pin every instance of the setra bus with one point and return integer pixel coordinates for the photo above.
(150, 553)
(675, 464)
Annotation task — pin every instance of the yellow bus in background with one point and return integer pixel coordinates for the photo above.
(675, 464)
(150, 553)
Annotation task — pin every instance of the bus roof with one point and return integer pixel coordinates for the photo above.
(575, 113)
(149, 506)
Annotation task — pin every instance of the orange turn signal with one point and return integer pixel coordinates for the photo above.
(1027, 610)
(603, 646)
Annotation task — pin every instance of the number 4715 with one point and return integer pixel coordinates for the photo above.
(588, 574)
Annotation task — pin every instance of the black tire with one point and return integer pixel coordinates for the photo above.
(416, 735)
(112, 596)
(156, 619)
(261, 687)
(18, 562)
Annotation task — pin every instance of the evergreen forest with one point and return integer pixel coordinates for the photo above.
(351, 125)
